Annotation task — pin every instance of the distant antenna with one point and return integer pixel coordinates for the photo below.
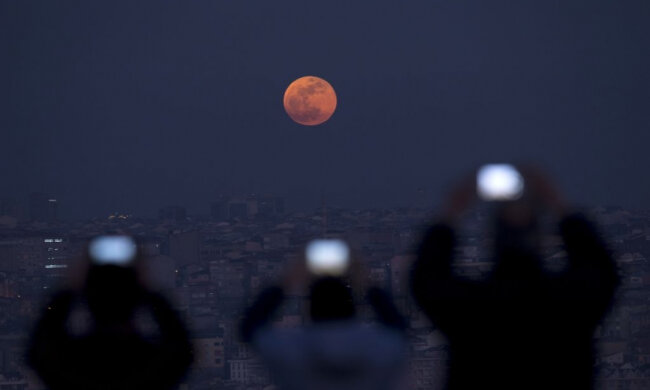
(324, 220)
(421, 197)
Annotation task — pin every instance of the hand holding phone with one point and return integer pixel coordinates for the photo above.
(327, 257)
(112, 250)
(499, 182)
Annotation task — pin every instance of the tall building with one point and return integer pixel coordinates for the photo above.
(42, 208)
(9, 207)
(246, 207)
(238, 209)
(172, 213)
(268, 206)
(56, 253)
(184, 247)
(219, 209)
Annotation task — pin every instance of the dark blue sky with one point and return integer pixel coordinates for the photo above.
(134, 105)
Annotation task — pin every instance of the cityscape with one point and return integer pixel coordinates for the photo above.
(165, 166)
(212, 266)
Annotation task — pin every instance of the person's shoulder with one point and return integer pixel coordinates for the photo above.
(362, 334)
(274, 337)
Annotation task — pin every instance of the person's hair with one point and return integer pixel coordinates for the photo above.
(331, 299)
(112, 293)
(517, 241)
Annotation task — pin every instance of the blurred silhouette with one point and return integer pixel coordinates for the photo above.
(334, 351)
(521, 327)
(108, 350)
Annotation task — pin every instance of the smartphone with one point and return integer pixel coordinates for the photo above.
(499, 182)
(112, 250)
(327, 257)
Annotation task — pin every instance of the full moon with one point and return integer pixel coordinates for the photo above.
(310, 100)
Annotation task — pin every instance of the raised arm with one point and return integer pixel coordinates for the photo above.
(591, 270)
(173, 348)
(47, 349)
(431, 276)
(261, 312)
(387, 313)
(432, 268)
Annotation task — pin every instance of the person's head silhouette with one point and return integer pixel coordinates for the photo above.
(516, 240)
(517, 227)
(112, 293)
(331, 300)
(112, 287)
(113, 351)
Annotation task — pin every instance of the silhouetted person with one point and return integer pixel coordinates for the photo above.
(335, 351)
(521, 327)
(108, 351)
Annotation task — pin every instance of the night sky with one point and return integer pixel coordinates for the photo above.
(134, 105)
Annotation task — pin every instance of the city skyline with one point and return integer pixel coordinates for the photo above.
(212, 269)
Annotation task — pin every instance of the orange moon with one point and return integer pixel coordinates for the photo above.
(310, 100)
